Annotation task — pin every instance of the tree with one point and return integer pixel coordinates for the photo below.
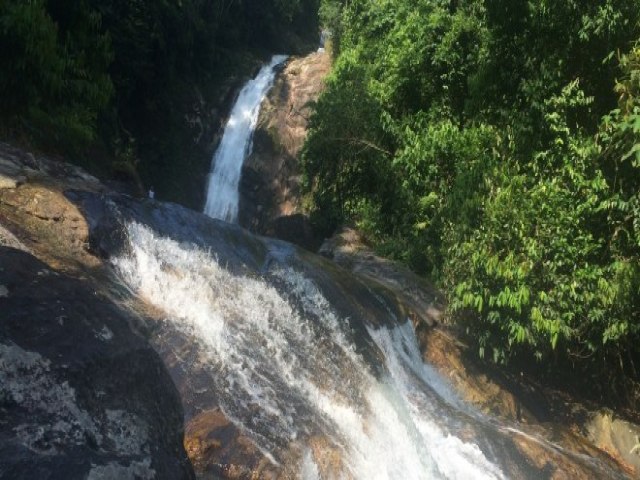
(54, 70)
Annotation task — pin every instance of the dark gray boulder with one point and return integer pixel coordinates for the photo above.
(82, 394)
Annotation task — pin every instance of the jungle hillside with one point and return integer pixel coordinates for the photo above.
(494, 146)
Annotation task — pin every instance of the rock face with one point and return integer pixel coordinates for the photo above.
(348, 249)
(36, 216)
(270, 197)
(81, 394)
(616, 436)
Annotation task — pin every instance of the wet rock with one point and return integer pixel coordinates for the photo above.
(42, 168)
(73, 405)
(8, 239)
(16, 158)
(616, 436)
(326, 457)
(114, 470)
(423, 302)
(296, 229)
(216, 447)
(533, 412)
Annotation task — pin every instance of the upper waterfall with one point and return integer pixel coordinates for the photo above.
(222, 190)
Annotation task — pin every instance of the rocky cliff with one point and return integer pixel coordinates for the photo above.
(82, 392)
(270, 200)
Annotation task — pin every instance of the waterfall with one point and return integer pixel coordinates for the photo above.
(287, 371)
(222, 189)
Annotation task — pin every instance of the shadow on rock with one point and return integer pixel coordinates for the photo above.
(82, 395)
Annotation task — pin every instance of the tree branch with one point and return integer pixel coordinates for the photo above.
(366, 143)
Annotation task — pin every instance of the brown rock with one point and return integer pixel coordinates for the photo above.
(422, 301)
(271, 181)
(45, 222)
(10, 181)
(619, 438)
(216, 447)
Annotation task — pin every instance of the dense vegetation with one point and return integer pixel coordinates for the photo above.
(495, 146)
(118, 78)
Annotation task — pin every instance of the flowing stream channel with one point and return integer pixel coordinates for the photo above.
(222, 189)
(302, 356)
(288, 370)
(316, 367)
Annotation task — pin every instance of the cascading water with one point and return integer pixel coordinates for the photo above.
(288, 371)
(222, 190)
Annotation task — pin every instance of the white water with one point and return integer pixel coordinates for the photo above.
(222, 190)
(293, 357)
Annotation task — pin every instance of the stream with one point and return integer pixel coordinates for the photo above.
(319, 369)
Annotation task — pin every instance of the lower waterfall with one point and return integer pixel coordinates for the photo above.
(288, 371)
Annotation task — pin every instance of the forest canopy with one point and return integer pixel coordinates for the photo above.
(120, 74)
(495, 146)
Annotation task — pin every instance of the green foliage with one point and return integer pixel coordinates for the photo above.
(490, 155)
(619, 141)
(54, 77)
(330, 14)
(531, 265)
(340, 173)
